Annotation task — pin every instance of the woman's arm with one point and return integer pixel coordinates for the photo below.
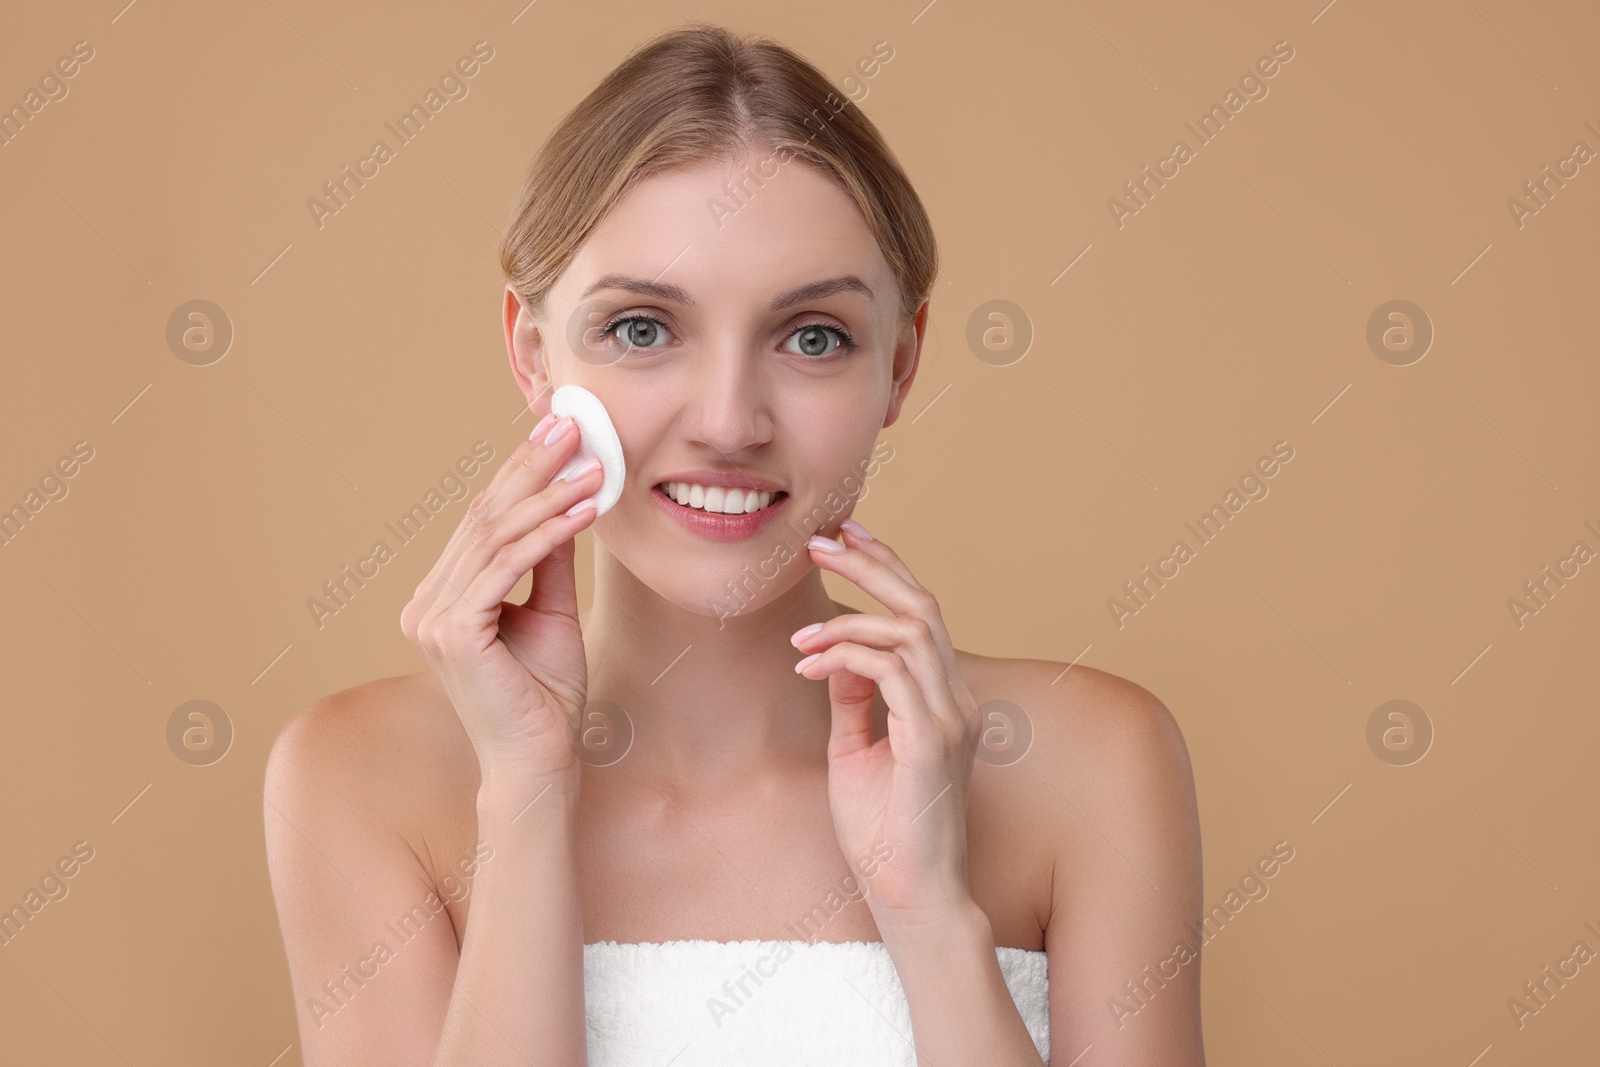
(1123, 953)
(961, 1009)
(519, 989)
(1099, 736)
(372, 953)
(369, 986)
(1109, 790)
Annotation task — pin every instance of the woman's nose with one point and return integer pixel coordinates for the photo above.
(728, 403)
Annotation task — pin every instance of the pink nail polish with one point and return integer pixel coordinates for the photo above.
(544, 424)
(590, 464)
(563, 426)
(856, 528)
(798, 667)
(804, 632)
(825, 544)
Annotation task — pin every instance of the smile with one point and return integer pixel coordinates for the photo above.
(717, 513)
(716, 500)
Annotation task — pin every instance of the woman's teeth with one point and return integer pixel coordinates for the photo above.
(716, 499)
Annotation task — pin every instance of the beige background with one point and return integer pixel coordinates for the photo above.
(1228, 314)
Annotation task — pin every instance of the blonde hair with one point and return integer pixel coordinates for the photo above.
(703, 93)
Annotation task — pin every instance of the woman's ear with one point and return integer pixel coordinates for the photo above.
(907, 355)
(525, 347)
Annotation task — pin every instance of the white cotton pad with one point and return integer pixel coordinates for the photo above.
(598, 439)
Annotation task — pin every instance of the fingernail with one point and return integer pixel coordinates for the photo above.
(798, 667)
(563, 425)
(804, 632)
(544, 424)
(586, 502)
(856, 528)
(826, 544)
(583, 468)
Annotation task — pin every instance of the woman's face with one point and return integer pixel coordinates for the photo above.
(742, 375)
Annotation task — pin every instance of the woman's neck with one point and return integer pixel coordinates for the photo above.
(713, 700)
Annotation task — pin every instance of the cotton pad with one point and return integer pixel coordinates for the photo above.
(598, 438)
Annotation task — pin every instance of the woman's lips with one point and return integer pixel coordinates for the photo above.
(714, 527)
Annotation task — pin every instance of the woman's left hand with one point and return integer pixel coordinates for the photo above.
(899, 804)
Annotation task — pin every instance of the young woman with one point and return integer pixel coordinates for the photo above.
(663, 835)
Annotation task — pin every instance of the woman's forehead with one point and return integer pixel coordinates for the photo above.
(797, 221)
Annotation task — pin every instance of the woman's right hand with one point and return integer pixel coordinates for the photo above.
(516, 674)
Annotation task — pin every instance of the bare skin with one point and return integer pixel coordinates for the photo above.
(777, 833)
(716, 824)
(391, 757)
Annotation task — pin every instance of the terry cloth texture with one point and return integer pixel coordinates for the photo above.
(748, 1003)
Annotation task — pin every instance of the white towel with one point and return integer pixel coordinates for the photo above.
(823, 1003)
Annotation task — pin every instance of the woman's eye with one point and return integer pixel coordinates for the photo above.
(814, 340)
(642, 332)
(638, 331)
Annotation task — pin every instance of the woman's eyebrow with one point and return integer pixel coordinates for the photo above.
(845, 283)
(677, 295)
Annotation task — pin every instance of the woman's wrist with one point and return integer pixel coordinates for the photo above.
(507, 794)
(962, 921)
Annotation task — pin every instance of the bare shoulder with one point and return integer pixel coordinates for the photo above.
(390, 754)
(1105, 764)
(1102, 805)
(362, 805)
(1086, 723)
